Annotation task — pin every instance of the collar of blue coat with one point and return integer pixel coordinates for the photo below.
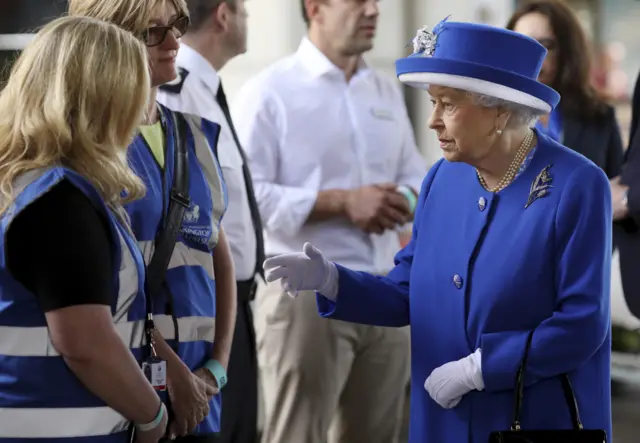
(482, 59)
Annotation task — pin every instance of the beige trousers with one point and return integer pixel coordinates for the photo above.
(327, 381)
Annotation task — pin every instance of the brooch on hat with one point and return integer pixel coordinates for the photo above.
(540, 186)
(425, 41)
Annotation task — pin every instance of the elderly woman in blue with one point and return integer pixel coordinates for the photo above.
(511, 237)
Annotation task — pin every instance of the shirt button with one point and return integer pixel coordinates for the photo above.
(482, 204)
(457, 280)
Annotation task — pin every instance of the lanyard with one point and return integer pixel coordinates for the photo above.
(150, 326)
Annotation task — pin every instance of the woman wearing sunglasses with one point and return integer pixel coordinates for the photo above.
(192, 306)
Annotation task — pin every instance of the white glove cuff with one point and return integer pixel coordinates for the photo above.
(476, 370)
(329, 289)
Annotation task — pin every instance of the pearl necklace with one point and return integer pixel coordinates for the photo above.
(512, 171)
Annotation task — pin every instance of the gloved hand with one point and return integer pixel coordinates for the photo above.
(303, 271)
(450, 382)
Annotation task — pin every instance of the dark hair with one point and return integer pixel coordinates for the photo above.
(199, 11)
(305, 16)
(573, 82)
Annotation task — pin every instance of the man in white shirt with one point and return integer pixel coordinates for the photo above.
(334, 163)
(217, 34)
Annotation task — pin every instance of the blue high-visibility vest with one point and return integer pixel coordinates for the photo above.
(40, 398)
(190, 296)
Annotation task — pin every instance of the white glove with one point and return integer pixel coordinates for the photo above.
(303, 271)
(450, 382)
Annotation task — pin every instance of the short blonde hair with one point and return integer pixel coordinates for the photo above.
(68, 103)
(131, 15)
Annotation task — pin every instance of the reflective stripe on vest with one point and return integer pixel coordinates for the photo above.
(182, 255)
(48, 423)
(36, 342)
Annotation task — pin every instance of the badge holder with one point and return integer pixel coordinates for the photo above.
(153, 367)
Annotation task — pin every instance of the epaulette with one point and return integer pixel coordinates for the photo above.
(175, 86)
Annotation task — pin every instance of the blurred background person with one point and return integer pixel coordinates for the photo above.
(627, 227)
(217, 34)
(583, 121)
(197, 299)
(511, 250)
(72, 276)
(334, 159)
(635, 110)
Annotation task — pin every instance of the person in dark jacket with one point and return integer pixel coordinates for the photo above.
(582, 121)
(626, 205)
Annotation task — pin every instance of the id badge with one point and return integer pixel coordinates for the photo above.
(155, 369)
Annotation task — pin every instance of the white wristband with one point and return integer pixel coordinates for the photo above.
(156, 421)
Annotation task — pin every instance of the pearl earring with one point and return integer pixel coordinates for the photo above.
(499, 131)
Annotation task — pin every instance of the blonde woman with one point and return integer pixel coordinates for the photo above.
(71, 276)
(192, 306)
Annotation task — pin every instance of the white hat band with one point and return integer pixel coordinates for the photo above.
(423, 79)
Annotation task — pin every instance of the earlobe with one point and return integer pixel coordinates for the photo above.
(502, 120)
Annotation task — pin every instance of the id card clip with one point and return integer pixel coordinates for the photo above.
(154, 367)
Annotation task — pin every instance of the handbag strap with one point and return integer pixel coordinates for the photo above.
(179, 201)
(569, 395)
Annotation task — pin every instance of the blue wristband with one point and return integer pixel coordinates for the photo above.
(217, 371)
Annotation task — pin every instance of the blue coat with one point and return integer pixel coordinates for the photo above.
(481, 271)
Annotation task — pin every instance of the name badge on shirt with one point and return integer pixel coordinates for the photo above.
(155, 369)
(382, 114)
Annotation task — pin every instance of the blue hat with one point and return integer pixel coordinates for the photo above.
(479, 58)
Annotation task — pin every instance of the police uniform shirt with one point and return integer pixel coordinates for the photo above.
(194, 92)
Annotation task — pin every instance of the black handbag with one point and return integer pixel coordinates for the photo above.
(517, 435)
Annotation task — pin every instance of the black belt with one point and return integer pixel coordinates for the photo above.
(246, 290)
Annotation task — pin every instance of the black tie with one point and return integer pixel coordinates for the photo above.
(253, 205)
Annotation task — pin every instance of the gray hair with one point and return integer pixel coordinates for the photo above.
(520, 114)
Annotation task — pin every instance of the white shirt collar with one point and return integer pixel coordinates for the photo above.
(191, 60)
(318, 64)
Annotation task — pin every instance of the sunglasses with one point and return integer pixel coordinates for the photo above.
(155, 35)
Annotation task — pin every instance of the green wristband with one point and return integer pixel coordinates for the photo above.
(409, 195)
(146, 427)
(217, 371)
